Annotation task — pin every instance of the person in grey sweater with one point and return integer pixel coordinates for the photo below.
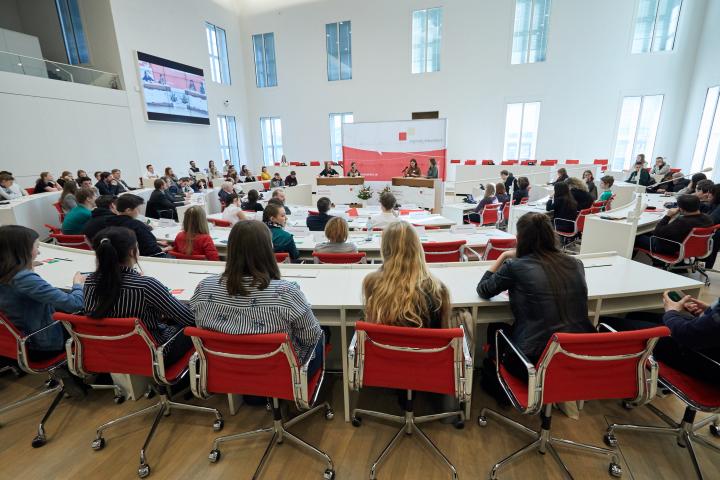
(337, 232)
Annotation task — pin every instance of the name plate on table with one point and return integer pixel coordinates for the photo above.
(463, 229)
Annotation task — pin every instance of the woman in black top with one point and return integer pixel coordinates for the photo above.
(46, 183)
(564, 207)
(579, 191)
(522, 190)
(252, 202)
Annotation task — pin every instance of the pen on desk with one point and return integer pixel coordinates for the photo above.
(200, 273)
(65, 259)
(595, 266)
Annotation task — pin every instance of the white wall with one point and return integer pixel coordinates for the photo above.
(40, 18)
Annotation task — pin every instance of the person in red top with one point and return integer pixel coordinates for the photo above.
(195, 239)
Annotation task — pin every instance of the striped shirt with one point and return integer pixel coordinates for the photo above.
(145, 298)
(280, 308)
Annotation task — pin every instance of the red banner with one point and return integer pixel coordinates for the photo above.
(383, 166)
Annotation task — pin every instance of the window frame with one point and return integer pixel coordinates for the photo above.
(425, 41)
(526, 57)
(331, 124)
(521, 129)
(227, 130)
(265, 69)
(653, 29)
(338, 44)
(713, 126)
(222, 58)
(648, 154)
(273, 145)
(78, 52)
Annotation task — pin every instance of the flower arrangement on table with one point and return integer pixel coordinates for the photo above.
(385, 190)
(365, 193)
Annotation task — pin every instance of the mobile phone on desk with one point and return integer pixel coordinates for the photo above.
(675, 295)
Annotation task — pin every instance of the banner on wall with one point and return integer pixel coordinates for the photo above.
(382, 150)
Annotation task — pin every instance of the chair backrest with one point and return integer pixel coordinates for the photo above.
(52, 228)
(506, 162)
(524, 200)
(572, 162)
(184, 256)
(314, 163)
(490, 214)
(675, 170)
(455, 161)
(437, 252)
(339, 258)
(282, 257)
(59, 209)
(220, 223)
(506, 211)
(580, 221)
(470, 162)
(699, 242)
(600, 161)
(10, 338)
(488, 162)
(72, 241)
(548, 163)
(527, 162)
(30, 190)
(496, 246)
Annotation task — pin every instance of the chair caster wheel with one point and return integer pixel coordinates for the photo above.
(356, 421)
(218, 425)
(98, 444)
(614, 470)
(627, 405)
(329, 414)
(214, 456)
(118, 399)
(459, 425)
(482, 421)
(329, 474)
(144, 470)
(39, 441)
(149, 393)
(610, 440)
(715, 430)
(268, 406)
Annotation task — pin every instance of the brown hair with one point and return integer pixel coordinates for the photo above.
(500, 188)
(194, 223)
(69, 188)
(271, 210)
(158, 183)
(387, 200)
(16, 243)
(337, 230)
(84, 194)
(249, 254)
(608, 180)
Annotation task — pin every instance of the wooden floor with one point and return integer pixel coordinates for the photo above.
(183, 440)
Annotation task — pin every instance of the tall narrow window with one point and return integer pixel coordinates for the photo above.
(521, 127)
(272, 139)
(339, 54)
(336, 123)
(217, 48)
(637, 129)
(530, 31)
(73, 32)
(265, 69)
(708, 140)
(227, 131)
(656, 25)
(426, 37)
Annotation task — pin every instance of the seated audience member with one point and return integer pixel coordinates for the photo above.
(77, 218)
(291, 180)
(279, 195)
(412, 170)
(264, 174)
(672, 182)
(9, 190)
(715, 202)
(226, 166)
(150, 175)
(660, 167)
(488, 199)
(522, 190)
(200, 186)
(171, 180)
(316, 223)
(282, 241)
(128, 208)
(704, 191)
(244, 172)
(606, 183)
(353, 172)
(159, 205)
(337, 232)
(639, 175)
(64, 177)
(252, 281)
(328, 171)
(250, 177)
(120, 184)
(690, 187)
(589, 180)
(194, 238)
(193, 169)
(283, 161)
(233, 213)
(277, 181)
(225, 192)
(185, 186)
(564, 207)
(561, 176)
(547, 293)
(675, 226)
(508, 180)
(97, 175)
(501, 194)
(252, 204)
(432, 169)
(388, 215)
(46, 183)
(80, 174)
(117, 290)
(67, 197)
(105, 185)
(578, 189)
(104, 209)
(403, 292)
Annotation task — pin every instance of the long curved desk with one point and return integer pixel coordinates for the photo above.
(615, 285)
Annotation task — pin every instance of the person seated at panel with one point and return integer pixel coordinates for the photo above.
(412, 170)
(104, 209)
(508, 180)
(279, 195)
(159, 205)
(77, 218)
(252, 282)
(674, 226)
(232, 176)
(522, 190)
(64, 177)
(606, 183)
(226, 190)
(589, 180)
(252, 204)
(150, 175)
(9, 190)
(264, 174)
(67, 197)
(233, 212)
(283, 161)
(661, 167)
(564, 207)
(282, 241)
(578, 189)
(194, 238)
(276, 181)
(46, 183)
(226, 166)
(317, 223)
(328, 171)
(547, 293)
(244, 172)
(354, 172)
(432, 169)
(104, 185)
(336, 232)
(639, 175)
(704, 191)
(489, 198)
(80, 174)
(250, 177)
(193, 169)
(562, 176)
(121, 185)
(501, 194)
(117, 290)
(291, 180)
(128, 208)
(389, 214)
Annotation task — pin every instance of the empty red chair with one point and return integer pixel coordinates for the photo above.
(71, 241)
(266, 185)
(339, 258)
(455, 161)
(124, 345)
(528, 162)
(603, 162)
(514, 162)
(506, 162)
(548, 163)
(675, 170)
(59, 209)
(572, 162)
(261, 365)
(470, 162)
(496, 246)
(277, 164)
(220, 223)
(576, 366)
(282, 257)
(314, 163)
(297, 164)
(184, 256)
(412, 359)
(488, 162)
(30, 190)
(438, 252)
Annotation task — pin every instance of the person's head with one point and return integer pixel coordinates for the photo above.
(433, 162)
(105, 177)
(328, 165)
(264, 170)
(274, 213)
(192, 163)
(86, 197)
(277, 176)
(66, 175)
(659, 161)
(387, 201)
(243, 169)
(202, 184)
(606, 182)
(227, 187)
(716, 194)
(97, 175)
(640, 159)
(185, 181)
(639, 165)
(292, 173)
(6, 180)
(323, 204)
(562, 173)
(116, 173)
(194, 223)
(150, 168)
(703, 190)
(500, 189)
(588, 176)
(523, 183)
(283, 159)
(108, 202)
(353, 166)
(688, 204)
(46, 176)
(84, 182)
(129, 205)
(504, 174)
(577, 184)
(233, 199)
(279, 194)
(227, 161)
(277, 202)
(69, 188)
(562, 192)
(249, 256)
(169, 172)
(211, 164)
(677, 177)
(696, 178)
(115, 248)
(20, 248)
(81, 173)
(413, 163)
(253, 196)
(489, 190)
(535, 235)
(159, 184)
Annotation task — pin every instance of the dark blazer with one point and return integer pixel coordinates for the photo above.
(255, 206)
(106, 188)
(316, 223)
(158, 204)
(98, 221)
(645, 178)
(518, 195)
(147, 243)
(561, 209)
(509, 182)
(681, 226)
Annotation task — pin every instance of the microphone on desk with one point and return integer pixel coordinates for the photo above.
(704, 170)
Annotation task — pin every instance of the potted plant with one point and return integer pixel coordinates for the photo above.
(365, 194)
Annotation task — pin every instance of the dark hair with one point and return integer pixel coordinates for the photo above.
(278, 191)
(716, 194)
(695, 179)
(271, 210)
(432, 161)
(232, 197)
(500, 188)
(562, 171)
(608, 180)
(80, 180)
(253, 196)
(113, 246)
(148, 166)
(292, 172)
(387, 200)
(688, 203)
(105, 201)
(4, 177)
(185, 179)
(323, 204)
(704, 186)
(16, 245)
(158, 183)
(128, 202)
(104, 175)
(523, 183)
(81, 171)
(69, 188)
(276, 201)
(504, 172)
(562, 191)
(249, 254)
(84, 194)
(115, 170)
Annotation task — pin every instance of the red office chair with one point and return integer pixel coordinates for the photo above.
(524, 200)
(220, 223)
(505, 213)
(313, 212)
(490, 215)
(527, 162)
(314, 163)
(124, 345)
(282, 257)
(506, 162)
(514, 162)
(53, 229)
(488, 162)
(438, 252)
(470, 162)
(262, 365)
(675, 170)
(72, 241)
(576, 366)
(339, 258)
(572, 161)
(548, 163)
(496, 246)
(184, 256)
(411, 359)
(59, 209)
(30, 190)
(699, 396)
(578, 225)
(454, 161)
(603, 162)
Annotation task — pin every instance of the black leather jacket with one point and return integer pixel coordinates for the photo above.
(534, 307)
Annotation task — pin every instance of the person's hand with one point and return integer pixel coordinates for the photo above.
(507, 254)
(167, 249)
(672, 212)
(163, 243)
(695, 306)
(79, 279)
(669, 304)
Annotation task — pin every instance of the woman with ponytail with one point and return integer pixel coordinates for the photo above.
(117, 290)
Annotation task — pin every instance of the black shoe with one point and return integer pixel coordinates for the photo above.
(74, 387)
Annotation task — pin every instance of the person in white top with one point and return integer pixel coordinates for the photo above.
(9, 190)
(388, 215)
(150, 176)
(233, 213)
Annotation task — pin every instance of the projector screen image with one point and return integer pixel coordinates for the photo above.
(173, 92)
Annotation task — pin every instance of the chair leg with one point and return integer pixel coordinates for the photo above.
(130, 416)
(144, 468)
(194, 408)
(40, 440)
(307, 413)
(693, 455)
(706, 421)
(439, 416)
(643, 428)
(381, 415)
(513, 457)
(586, 448)
(558, 460)
(436, 450)
(705, 442)
(265, 456)
(383, 455)
(31, 398)
(485, 412)
(303, 444)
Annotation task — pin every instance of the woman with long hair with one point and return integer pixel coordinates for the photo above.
(489, 198)
(117, 290)
(195, 239)
(589, 179)
(403, 292)
(521, 191)
(501, 194)
(67, 197)
(233, 212)
(579, 191)
(564, 207)
(212, 170)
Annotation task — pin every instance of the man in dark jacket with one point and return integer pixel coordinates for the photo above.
(316, 223)
(508, 180)
(104, 209)
(104, 185)
(160, 205)
(640, 175)
(128, 210)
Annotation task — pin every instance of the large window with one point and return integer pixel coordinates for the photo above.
(521, 128)
(639, 118)
(227, 131)
(271, 139)
(338, 37)
(426, 36)
(336, 122)
(530, 31)
(656, 25)
(708, 141)
(72, 31)
(217, 48)
(265, 68)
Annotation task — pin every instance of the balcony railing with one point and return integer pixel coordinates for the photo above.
(38, 67)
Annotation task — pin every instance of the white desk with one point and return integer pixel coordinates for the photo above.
(32, 211)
